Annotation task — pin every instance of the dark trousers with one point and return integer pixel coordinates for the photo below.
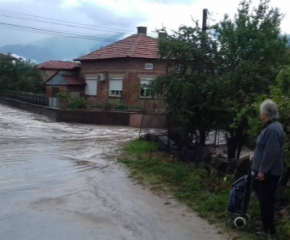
(266, 191)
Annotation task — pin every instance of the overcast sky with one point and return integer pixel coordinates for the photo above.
(120, 15)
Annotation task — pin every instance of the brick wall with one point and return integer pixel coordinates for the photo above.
(76, 88)
(131, 70)
(47, 73)
(49, 90)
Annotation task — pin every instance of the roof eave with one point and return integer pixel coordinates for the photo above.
(95, 59)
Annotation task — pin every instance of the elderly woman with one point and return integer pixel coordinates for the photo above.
(268, 163)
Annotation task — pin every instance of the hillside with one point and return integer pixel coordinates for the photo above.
(59, 48)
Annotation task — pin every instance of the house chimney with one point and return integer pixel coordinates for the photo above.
(142, 30)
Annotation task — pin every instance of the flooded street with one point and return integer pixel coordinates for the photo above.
(61, 181)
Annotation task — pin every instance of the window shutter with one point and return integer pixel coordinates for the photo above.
(91, 87)
(116, 85)
(145, 81)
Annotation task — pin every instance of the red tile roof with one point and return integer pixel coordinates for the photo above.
(59, 65)
(135, 46)
(74, 80)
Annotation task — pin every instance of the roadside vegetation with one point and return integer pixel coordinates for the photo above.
(219, 76)
(190, 184)
(81, 103)
(216, 79)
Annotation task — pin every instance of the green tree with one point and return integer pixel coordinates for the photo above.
(215, 76)
(190, 86)
(253, 52)
(20, 75)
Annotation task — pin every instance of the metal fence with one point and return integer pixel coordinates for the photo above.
(54, 102)
(156, 108)
(40, 99)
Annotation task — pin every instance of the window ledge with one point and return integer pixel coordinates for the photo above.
(155, 98)
(114, 96)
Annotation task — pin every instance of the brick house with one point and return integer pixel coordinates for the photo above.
(120, 71)
(50, 68)
(62, 76)
(66, 82)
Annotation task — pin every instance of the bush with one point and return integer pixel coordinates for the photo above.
(99, 105)
(137, 108)
(75, 103)
(63, 95)
(121, 106)
(114, 104)
(107, 105)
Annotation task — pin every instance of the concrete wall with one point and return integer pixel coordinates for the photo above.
(46, 111)
(94, 117)
(110, 118)
(148, 120)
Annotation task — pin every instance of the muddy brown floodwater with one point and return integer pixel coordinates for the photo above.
(61, 181)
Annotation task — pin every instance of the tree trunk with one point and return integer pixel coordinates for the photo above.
(241, 144)
(202, 137)
(232, 147)
(235, 143)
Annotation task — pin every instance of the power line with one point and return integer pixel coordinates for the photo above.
(58, 21)
(63, 24)
(51, 32)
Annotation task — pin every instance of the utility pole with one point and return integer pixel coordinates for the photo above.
(204, 20)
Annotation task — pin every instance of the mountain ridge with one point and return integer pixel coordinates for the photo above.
(59, 48)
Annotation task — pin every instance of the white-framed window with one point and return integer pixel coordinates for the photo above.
(149, 66)
(116, 87)
(144, 91)
(92, 86)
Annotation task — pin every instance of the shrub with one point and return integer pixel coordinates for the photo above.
(107, 105)
(75, 103)
(99, 105)
(121, 106)
(63, 95)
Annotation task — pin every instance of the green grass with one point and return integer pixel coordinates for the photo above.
(207, 195)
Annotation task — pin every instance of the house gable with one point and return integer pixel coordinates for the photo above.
(58, 78)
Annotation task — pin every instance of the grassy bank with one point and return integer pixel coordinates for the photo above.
(206, 195)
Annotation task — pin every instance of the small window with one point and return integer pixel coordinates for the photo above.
(144, 91)
(116, 87)
(149, 66)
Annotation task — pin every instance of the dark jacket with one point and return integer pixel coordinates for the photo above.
(268, 156)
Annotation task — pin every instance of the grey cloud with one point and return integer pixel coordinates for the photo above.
(172, 2)
(110, 19)
(86, 13)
